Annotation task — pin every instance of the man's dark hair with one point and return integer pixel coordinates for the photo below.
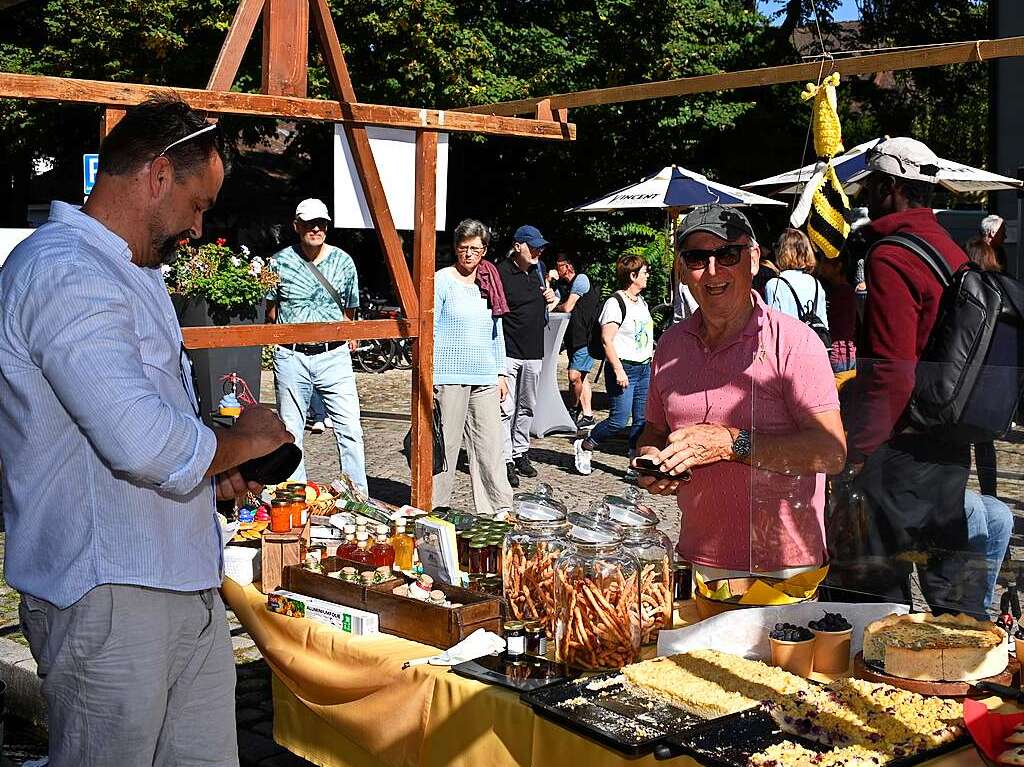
(147, 129)
(918, 193)
(563, 256)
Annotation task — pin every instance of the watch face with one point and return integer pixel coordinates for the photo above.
(741, 445)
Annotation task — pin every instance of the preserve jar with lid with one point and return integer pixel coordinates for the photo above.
(638, 525)
(528, 555)
(597, 598)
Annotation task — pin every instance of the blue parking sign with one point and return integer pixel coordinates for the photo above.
(89, 164)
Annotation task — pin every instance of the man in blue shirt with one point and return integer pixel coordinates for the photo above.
(317, 283)
(109, 473)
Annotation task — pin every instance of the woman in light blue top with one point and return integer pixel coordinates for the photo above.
(796, 291)
(469, 373)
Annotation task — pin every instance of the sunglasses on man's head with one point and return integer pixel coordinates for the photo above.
(727, 255)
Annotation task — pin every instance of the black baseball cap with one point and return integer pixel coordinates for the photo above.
(727, 223)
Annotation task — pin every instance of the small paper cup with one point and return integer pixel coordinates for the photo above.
(832, 651)
(794, 657)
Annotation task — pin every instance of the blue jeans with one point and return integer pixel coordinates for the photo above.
(624, 402)
(317, 412)
(330, 373)
(989, 525)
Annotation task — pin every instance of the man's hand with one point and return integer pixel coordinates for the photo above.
(263, 428)
(621, 378)
(502, 388)
(552, 275)
(696, 445)
(230, 485)
(549, 295)
(655, 485)
(353, 345)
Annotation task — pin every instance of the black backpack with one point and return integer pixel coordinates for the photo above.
(595, 346)
(810, 317)
(969, 379)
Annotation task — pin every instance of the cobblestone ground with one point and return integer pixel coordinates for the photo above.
(385, 402)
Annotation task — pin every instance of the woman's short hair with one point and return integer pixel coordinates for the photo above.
(794, 251)
(626, 267)
(469, 228)
(983, 254)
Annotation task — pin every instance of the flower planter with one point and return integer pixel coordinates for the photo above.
(209, 365)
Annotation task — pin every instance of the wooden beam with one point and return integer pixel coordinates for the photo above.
(231, 336)
(366, 166)
(230, 57)
(954, 53)
(285, 47)
(20, 86)
(111, 117)
(424, 214)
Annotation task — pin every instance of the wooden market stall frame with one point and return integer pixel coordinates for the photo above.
(283, 95)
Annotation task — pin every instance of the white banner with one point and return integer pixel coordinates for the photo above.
(394, 150)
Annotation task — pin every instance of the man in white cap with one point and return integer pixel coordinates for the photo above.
(912, 483)
(317, 283)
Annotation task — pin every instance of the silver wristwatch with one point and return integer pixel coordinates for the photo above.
(742, 445)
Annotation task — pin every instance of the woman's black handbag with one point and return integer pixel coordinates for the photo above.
(440, 464)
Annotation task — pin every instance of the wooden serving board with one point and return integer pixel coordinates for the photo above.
(942, 689)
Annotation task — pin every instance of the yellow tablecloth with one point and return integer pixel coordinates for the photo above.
(343, 701)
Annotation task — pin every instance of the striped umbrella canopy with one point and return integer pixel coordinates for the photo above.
(673, 187)
(851, 168)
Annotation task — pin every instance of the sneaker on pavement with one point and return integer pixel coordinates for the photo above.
(513, 478)
(585, 422)
(328, 423)
(317, 428)
(524, 467)
(581, 457)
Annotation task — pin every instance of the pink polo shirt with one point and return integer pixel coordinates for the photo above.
(736, 517)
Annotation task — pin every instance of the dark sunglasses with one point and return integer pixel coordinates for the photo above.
(727, 255)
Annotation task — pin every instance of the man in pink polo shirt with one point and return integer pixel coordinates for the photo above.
(745, 397)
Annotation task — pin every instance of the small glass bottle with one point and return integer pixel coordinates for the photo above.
(298, 510)
(382, 554)
(346, 548)
(361, 553)
(536, 639)
(515, 638)
(403, 544)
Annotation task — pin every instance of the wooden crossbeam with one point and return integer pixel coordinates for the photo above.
(231, 336)
(425, 238)
(20, 86)
(954, 53)
(366, 166)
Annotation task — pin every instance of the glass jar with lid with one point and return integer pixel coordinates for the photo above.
(528, 555)
(597, 598)
(638, 524)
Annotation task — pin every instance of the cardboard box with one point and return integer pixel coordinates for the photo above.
(347, 619)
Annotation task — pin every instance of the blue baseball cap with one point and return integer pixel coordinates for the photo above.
(531, 236)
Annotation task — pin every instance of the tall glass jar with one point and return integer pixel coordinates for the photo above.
(653, 549)
(528, 555)
(597, 598)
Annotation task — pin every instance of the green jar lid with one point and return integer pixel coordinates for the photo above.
(474, 544)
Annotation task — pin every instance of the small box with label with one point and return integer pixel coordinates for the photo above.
(348, 619)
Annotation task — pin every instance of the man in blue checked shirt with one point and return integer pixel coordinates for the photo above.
(317, 283)
(109, 473)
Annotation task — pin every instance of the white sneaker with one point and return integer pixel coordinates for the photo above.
(317, 428)
(328, 423)
(582, 457)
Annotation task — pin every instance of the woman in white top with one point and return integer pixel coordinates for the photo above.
(627, 333)
(795, 258)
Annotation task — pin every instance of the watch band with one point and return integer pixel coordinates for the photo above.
(743, 445)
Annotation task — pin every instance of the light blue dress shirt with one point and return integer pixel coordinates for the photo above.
(103, 455)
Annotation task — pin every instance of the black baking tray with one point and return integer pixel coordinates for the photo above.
(521, 673)
(729, 741)
(610, 715)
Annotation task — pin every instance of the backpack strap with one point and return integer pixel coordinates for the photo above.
(796, 298)
(622, 303)
(923, 250)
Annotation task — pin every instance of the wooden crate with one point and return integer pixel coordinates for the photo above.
(403, 616)
(278, 551)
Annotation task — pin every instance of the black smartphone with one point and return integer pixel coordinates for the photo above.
(648, 467)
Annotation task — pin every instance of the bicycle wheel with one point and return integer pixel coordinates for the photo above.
(375, 356)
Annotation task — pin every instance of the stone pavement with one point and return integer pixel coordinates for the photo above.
(385, 407)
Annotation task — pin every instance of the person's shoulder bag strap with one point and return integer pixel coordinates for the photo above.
(327, 285)
(923, 250)
(796, 298)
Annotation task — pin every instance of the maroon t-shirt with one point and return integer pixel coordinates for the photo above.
(842, 313)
